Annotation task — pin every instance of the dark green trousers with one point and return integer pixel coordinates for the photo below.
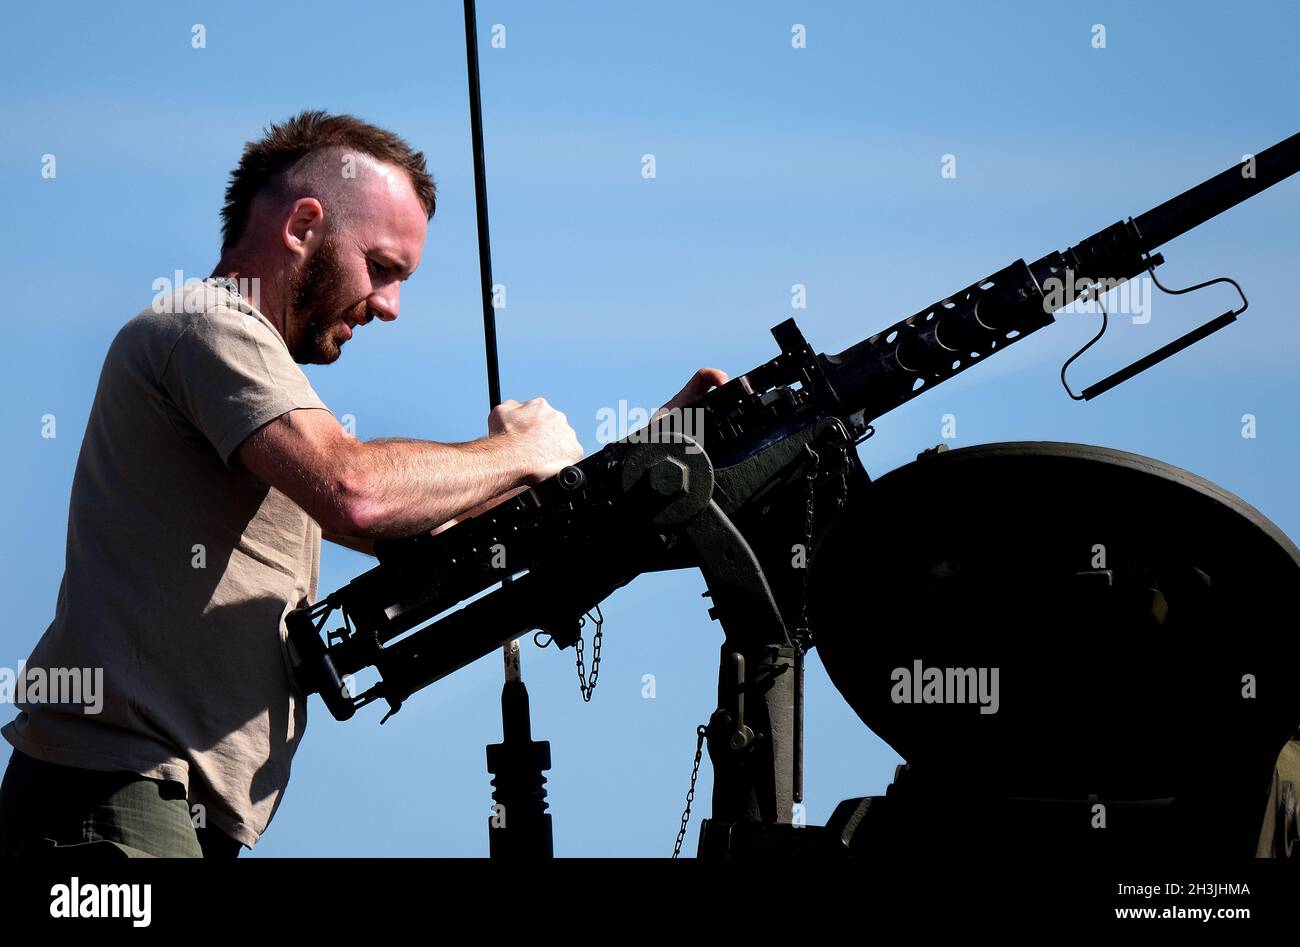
(49, 810)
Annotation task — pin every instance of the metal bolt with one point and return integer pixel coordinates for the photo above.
(669, 477)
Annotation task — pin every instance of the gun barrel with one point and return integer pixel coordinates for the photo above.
(923, 350)
(1210, 198)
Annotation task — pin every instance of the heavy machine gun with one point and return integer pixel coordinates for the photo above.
(741, 484)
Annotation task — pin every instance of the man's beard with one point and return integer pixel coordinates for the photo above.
(315, 291)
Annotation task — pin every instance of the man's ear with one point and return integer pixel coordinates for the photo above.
(303, 228)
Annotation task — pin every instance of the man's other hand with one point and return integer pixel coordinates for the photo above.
(699, 385)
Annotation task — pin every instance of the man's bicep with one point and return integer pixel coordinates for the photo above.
(303, 453)
(228, 374)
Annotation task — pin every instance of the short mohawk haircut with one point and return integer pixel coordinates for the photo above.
(307, 132)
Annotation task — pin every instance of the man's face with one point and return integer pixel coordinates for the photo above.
(357, 271)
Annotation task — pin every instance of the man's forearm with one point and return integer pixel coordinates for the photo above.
(402, 487)
(367, 546)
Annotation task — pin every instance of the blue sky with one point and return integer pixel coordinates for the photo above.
(774, 166)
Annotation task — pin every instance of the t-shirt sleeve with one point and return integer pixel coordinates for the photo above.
(230, 373)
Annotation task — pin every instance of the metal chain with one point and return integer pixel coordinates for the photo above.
(700, 732)
(842, 498)
(585, 686)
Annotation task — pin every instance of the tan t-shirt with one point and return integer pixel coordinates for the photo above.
(181, 567)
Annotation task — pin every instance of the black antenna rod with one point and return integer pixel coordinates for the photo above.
(481, 206)
(519, 827)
